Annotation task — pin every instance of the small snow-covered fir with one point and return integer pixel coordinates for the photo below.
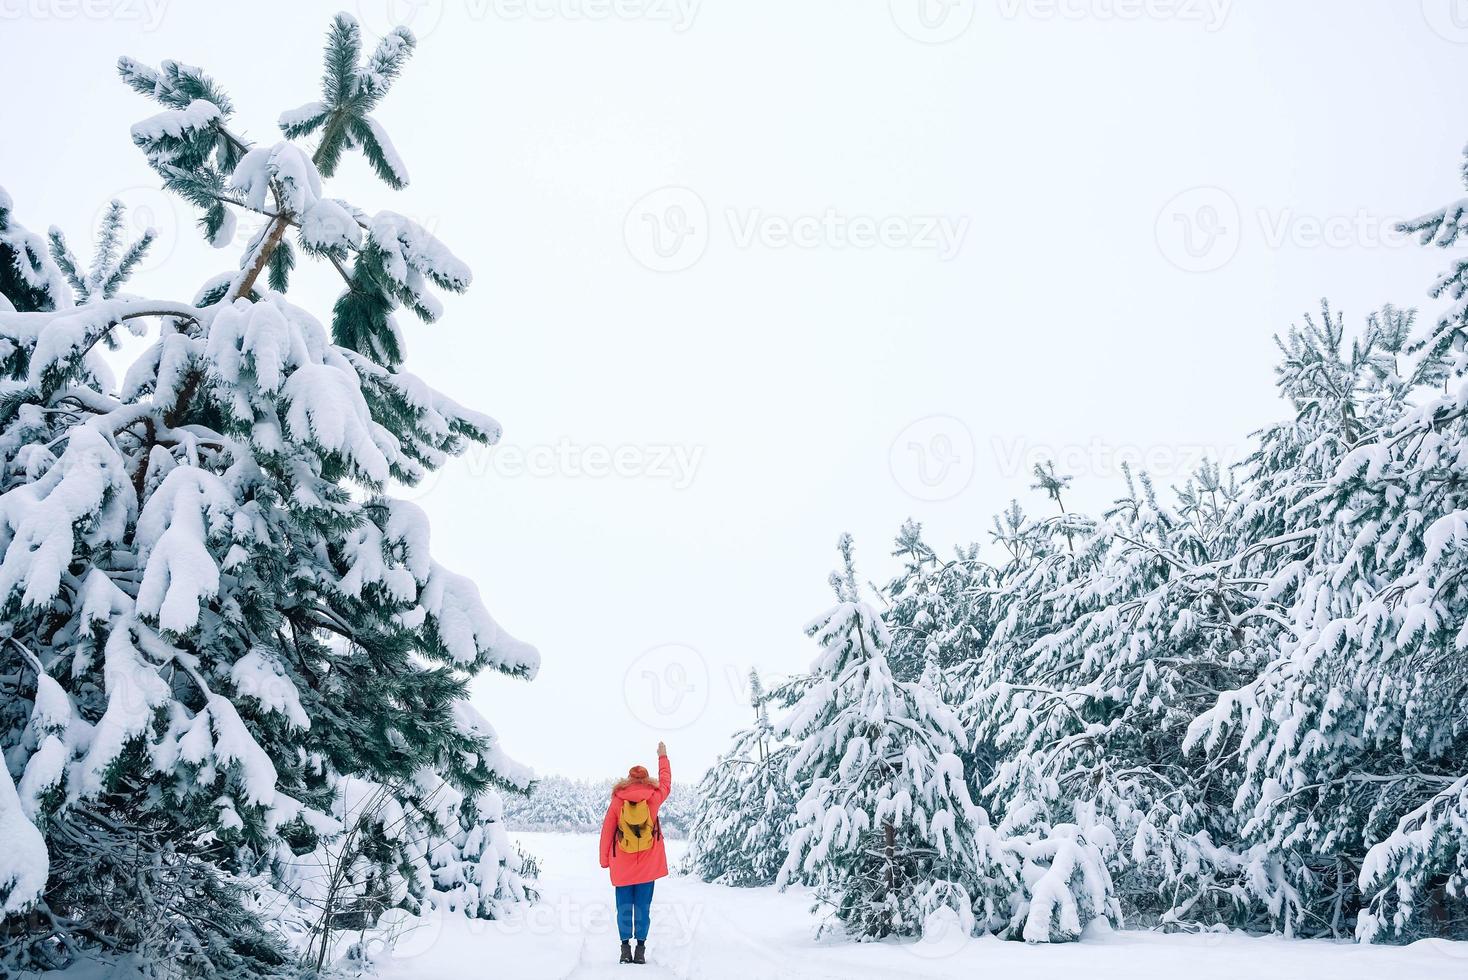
(887, 828)
(747, 803)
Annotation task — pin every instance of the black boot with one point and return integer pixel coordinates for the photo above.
(641, 955)
(626, 951)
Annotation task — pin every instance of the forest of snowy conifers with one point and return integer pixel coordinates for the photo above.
(1240, 702)
(561, 805)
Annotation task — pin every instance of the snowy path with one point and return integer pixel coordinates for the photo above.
(596, 965)
(706, 932)
(570, 934)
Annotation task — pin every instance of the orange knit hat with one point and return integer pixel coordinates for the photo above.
(637, 772)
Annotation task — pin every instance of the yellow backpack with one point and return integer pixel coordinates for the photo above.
(636, 829)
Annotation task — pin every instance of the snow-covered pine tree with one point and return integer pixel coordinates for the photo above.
(929, 613)
(1039, 560)
(887, 829)
(1039, 557)
(1061, 854)
(113, 261)
(1026, 726)
(1088, 693)
(30, 281)
(226, 651)
(476, 869)
(747, 805)
(1415, 878)
(1353, 736)
(1342, 390)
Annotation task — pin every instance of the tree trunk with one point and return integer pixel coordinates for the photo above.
(262, 258)
(891, 834)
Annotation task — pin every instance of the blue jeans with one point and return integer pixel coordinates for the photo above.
(634, 902)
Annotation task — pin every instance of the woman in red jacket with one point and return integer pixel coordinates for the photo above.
(632, 847)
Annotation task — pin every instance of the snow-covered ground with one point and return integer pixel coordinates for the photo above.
(710, 932)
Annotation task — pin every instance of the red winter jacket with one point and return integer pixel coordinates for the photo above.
(648, 865)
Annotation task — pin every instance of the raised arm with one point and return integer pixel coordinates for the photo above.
(665, 774)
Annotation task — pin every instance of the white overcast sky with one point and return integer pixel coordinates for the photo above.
(811, 267)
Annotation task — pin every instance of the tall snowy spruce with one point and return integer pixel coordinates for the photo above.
(1103, 657)
(746, 804)
(929, 615)
(1344, 390)
(29, 281)
(887, 829)
(1023, 733)
(1354, 736)
(234, 718)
